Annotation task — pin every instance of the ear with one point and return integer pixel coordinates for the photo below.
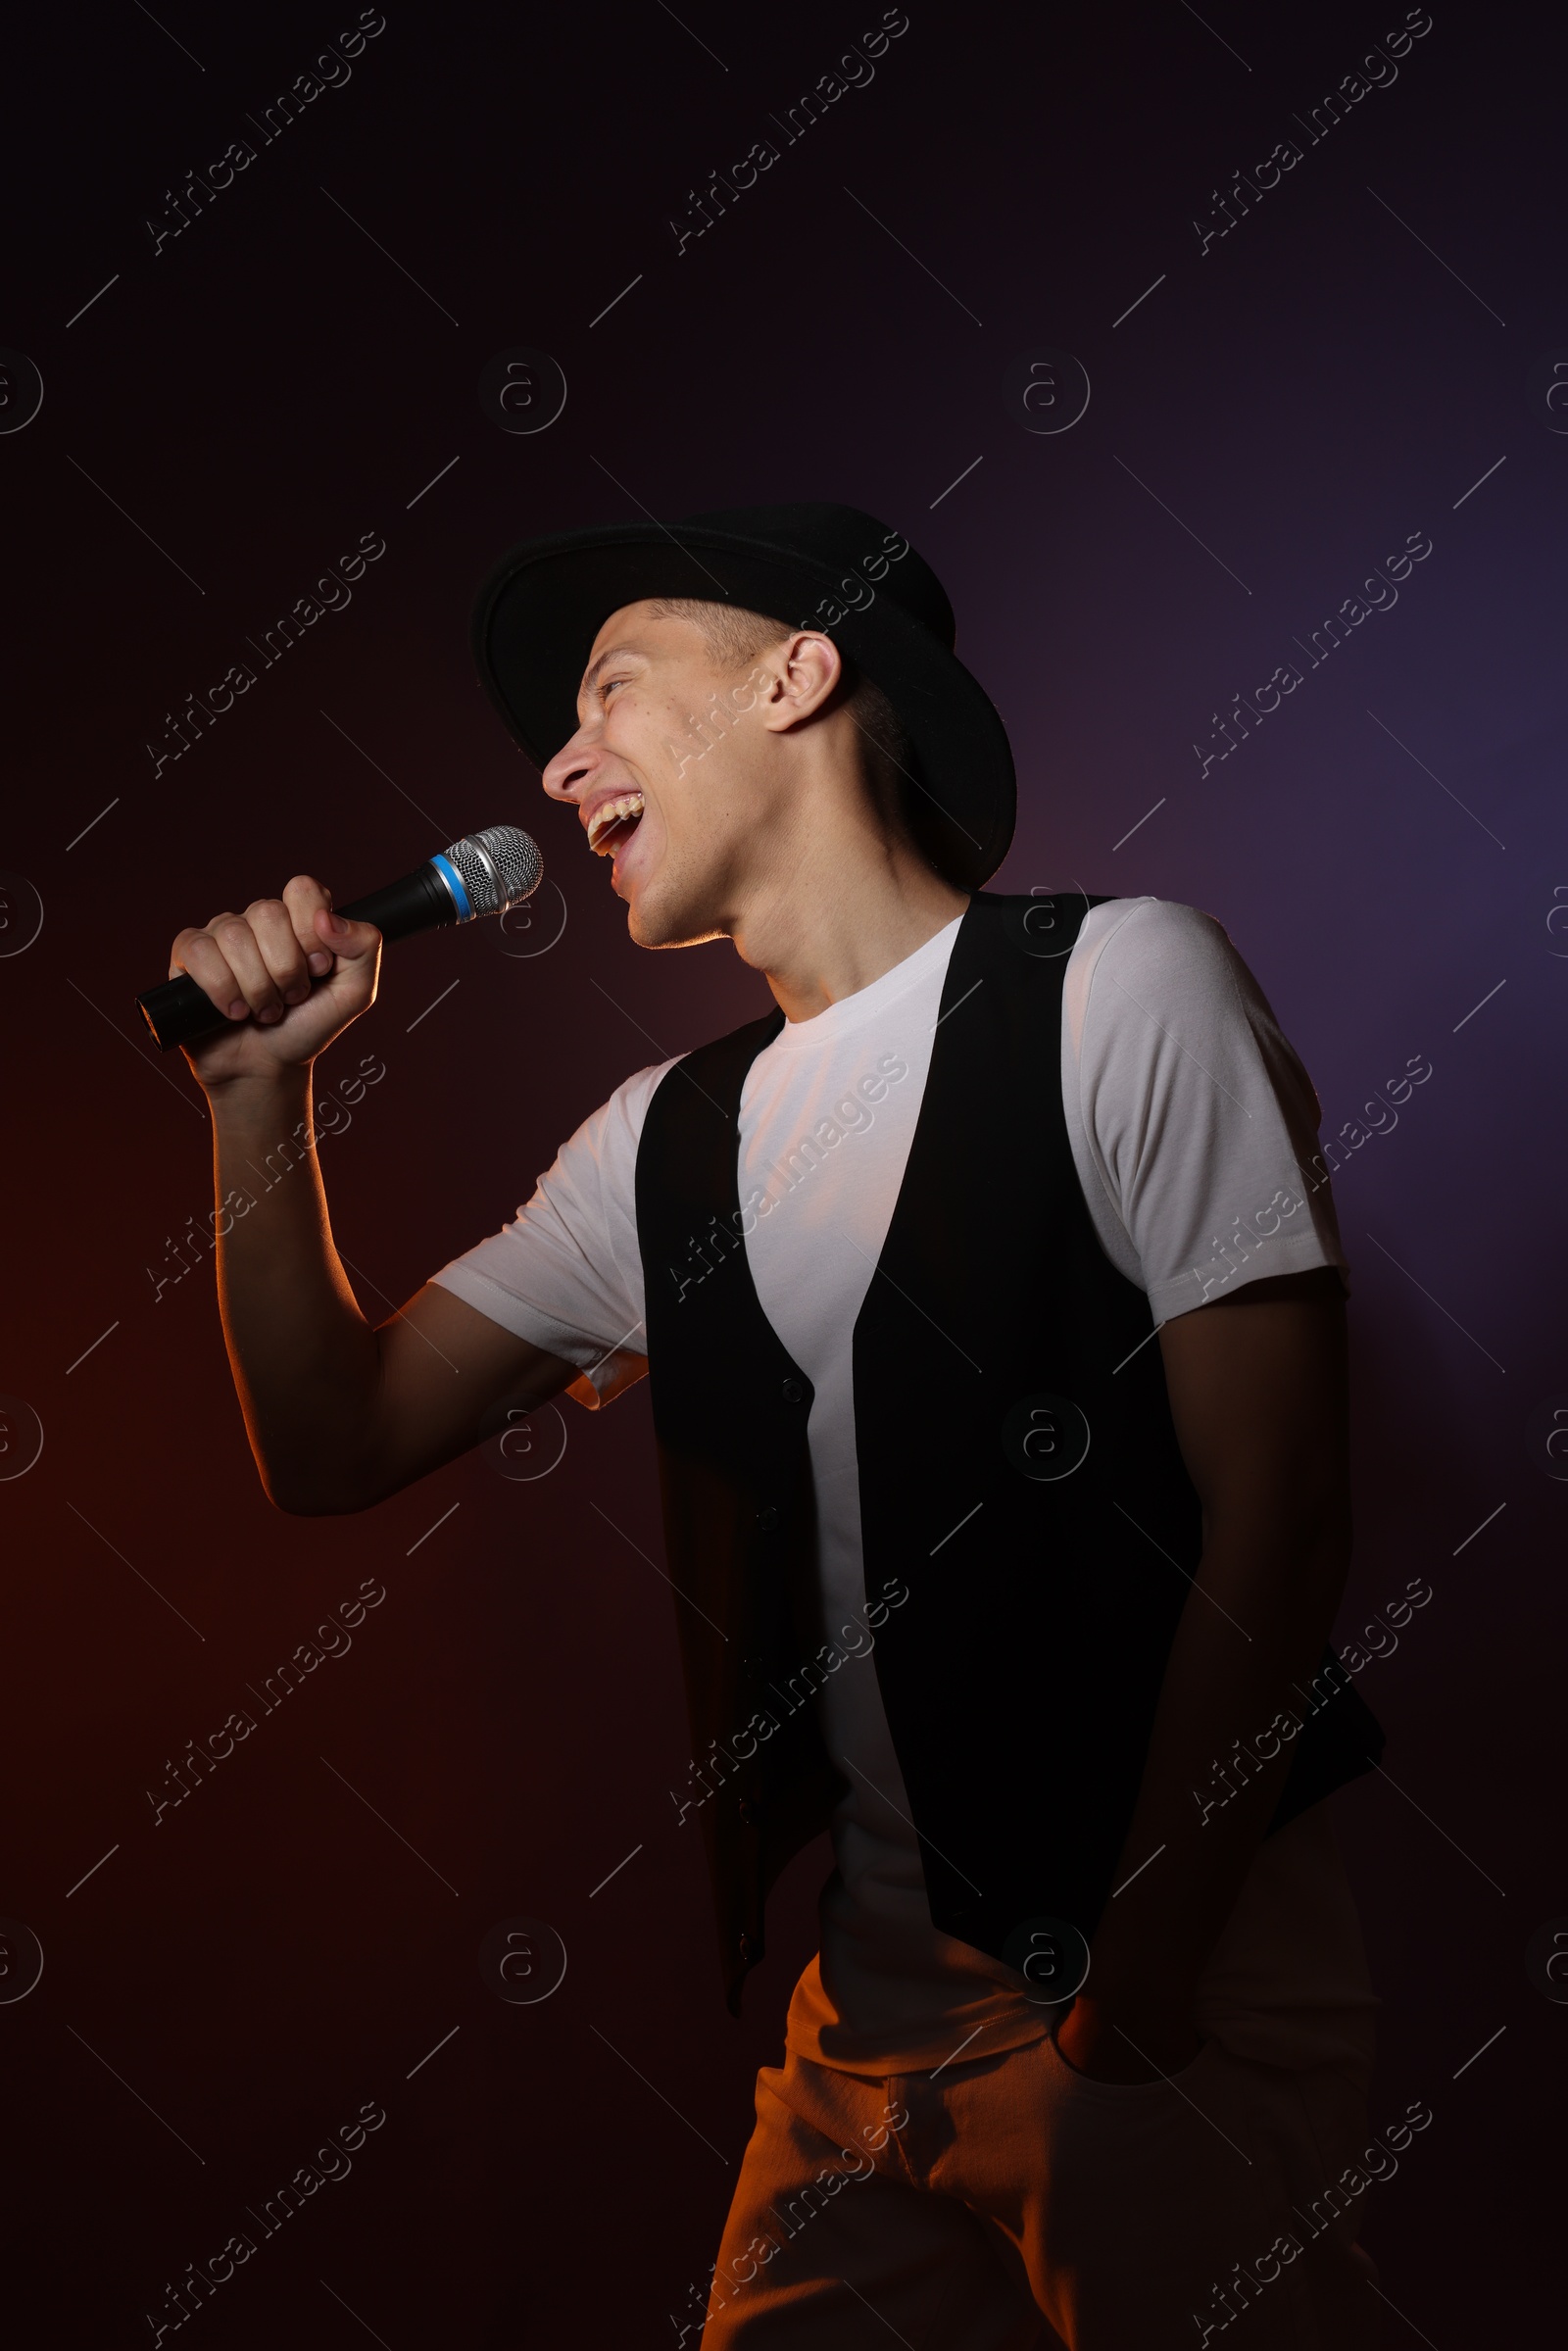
(802, 673)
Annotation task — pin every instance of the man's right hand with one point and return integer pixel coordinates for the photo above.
(288, 975)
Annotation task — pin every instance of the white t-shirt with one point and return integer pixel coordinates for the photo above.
(1192, 1127)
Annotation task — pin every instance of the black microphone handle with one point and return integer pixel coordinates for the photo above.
(179, 1012)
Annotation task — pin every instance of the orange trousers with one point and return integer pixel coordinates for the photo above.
(1009, 2203)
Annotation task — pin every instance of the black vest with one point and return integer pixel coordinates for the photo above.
(1020, 1482)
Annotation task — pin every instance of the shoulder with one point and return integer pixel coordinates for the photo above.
(629, 1104)
(1155, 957)
(601, 1152)
(716, 1074)
(1157, 935)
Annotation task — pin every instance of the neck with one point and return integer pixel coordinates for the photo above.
(840, 923)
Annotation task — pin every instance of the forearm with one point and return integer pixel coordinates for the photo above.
(1249, 1640)
(306, 1362)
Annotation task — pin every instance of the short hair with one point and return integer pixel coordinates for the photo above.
(735, 635)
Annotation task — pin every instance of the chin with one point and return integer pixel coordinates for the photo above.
(692, 933)
(666, 904)
(666, 918)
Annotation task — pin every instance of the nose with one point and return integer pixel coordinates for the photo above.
(569, 772)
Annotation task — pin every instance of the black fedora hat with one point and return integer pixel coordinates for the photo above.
(827, 567)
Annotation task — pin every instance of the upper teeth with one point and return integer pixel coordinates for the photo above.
(609, 813)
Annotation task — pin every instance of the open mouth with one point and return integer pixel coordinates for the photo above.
(614, 822)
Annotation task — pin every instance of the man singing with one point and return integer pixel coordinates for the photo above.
(993, 1315)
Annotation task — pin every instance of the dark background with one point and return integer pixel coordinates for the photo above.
(227, 419)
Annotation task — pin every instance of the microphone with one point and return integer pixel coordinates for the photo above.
(484, 873)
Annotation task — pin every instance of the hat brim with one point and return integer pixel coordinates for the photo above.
(544, 603)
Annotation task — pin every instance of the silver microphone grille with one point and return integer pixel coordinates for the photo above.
(500, 867)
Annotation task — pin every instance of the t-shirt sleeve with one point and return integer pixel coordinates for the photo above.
(1192, 1121)
(566, 1272)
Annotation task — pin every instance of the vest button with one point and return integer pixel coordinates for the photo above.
(748, 1812)
(793, 1392)
(768, 1517)
(749, 1948)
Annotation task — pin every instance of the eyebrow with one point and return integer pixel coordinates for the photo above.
(616, 653)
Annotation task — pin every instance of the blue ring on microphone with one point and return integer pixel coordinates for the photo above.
(454, 882)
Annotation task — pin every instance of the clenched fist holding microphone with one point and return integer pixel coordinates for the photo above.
(288, 975)
(484, 873)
